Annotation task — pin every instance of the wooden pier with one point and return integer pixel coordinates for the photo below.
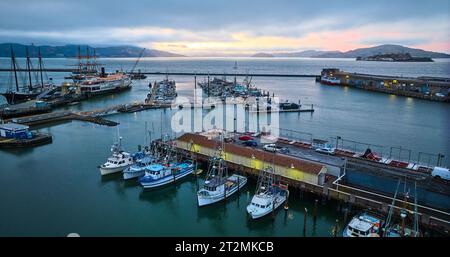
(427, 88)
(183, 73)
(307, 176)
(38, 139)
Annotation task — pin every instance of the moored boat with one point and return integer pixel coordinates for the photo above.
(269, 195)
(138, 169)
(157, 175)
(118, 161)
(364, 224)
(218, 185)
(330, 80)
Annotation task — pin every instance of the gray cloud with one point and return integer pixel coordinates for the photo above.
(83, 21)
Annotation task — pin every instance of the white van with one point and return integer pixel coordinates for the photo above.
(442, 173)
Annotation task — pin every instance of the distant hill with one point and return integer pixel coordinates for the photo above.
(262, 55)
(394, 58)
(307, 53)
(70, 51)
(393, 49)
(366, 52)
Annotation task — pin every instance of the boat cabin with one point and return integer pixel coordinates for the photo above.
(15, 131)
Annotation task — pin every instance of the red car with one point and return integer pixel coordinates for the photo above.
(245, 138)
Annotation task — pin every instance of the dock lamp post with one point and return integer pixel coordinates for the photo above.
(337, 141)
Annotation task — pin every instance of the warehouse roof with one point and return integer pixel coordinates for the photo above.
(278, 159)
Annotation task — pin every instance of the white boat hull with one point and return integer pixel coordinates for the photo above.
(131, 175)
(257, 213)
(106, 171)
(206, 200)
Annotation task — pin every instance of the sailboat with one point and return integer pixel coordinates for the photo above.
(269, 195)
(218, 185)
(31, 91)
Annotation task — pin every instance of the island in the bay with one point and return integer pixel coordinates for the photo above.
(395, 57)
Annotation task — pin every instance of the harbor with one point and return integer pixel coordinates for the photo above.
(347, 182)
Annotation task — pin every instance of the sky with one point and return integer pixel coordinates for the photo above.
(229, 27)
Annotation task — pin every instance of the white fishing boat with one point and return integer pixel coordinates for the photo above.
(138, 169)
(218, 185)
(364, 225)
(269, 195)
(118, 161)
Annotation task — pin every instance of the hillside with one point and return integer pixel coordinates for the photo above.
(364, 52)
(69, 51)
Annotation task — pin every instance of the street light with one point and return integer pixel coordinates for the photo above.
(337, 141)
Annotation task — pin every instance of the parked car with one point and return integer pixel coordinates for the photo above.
(275, 148)
(245, 138)
(250, 143)
(325, 150)
(441, 173)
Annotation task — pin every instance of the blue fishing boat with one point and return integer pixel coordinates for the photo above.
(157, 175)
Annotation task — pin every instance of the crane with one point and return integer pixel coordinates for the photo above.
(138, 75)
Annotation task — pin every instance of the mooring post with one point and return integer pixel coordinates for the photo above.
(304, 221)
(286, 203)
(336, 228)
(316, 203)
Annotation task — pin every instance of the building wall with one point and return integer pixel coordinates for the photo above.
(286, 171)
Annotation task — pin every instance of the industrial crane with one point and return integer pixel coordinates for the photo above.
(138, 75)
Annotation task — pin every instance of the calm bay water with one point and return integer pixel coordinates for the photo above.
(56, 189)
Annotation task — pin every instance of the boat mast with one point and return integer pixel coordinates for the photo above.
(13, 63)
(40, 66)
(30, 85)
(79, 60)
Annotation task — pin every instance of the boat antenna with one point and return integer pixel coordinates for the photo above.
(14, 66)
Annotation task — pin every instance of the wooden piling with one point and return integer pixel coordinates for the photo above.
(304, 221)
(286, 203)
(316, 203)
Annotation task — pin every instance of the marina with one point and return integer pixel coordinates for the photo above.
(319, 179)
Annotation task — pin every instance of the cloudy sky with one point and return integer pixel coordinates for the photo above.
(228, 27)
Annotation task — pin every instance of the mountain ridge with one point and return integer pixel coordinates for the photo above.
(71, 51)
(364, 52)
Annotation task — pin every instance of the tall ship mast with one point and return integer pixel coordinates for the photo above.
(92, 82)
(28, 91)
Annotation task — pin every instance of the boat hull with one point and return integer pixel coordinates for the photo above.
(166, 180)
(135, 174)
(106, 171)
(256, 215)
(15, 98)
(107, 91)
(207, 200)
